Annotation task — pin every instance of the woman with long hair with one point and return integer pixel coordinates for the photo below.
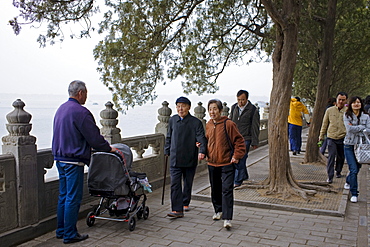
(357, 123)
(225, 148)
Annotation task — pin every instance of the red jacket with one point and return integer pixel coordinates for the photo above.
(218, 149)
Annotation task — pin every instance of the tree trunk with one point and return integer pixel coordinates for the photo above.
(280, 180)
(325, 78)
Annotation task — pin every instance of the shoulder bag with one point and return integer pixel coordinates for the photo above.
(362, 150)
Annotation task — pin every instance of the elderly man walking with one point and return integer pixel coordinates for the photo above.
(184, 132)
(74, 134)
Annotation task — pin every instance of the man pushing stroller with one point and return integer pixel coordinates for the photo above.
(74, 134)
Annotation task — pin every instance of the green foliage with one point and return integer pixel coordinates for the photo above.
(151, 42)
(351, 50)
(55, 13)
(148, 42)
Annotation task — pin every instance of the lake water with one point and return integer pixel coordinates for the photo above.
(140, 120)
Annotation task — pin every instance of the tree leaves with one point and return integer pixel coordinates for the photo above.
(150, 42)
(55, 13)
(351, 50)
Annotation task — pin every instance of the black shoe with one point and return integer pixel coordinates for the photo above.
(294, 153)
(339, 175)
(330, 181)
(76, 239)
(59, 237)
(176, 214)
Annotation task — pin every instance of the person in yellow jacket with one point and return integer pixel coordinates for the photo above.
(295, 122)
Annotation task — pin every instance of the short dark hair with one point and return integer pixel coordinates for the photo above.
(217, 102)
(331, 101)
(240, 92)
(342, 93)
(297, 98)
(367, 99)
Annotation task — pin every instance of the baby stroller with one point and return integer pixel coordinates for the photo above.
(121, 190)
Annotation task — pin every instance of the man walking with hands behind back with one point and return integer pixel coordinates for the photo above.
(333, 127)
(74, 134)
(247, 119)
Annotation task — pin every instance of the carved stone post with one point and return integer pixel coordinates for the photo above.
(266, 110)
(225, 110)
(163, 117)
(109, 122)
(200, 113)
(22, 145)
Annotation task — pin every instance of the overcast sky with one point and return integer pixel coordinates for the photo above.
(27, 69)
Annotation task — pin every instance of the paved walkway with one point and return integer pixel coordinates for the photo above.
(252, 226)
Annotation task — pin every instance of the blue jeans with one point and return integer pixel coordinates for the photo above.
(354, 168)
(181, 195)
(71, 180)
(295, 137)
(241, 172)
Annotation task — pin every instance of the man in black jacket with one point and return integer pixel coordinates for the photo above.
(184, 131)
(247, 119)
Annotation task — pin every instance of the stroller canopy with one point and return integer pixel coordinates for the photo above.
(108, 172)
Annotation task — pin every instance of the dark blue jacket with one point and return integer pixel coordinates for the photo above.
(75, 133)
(181, 141)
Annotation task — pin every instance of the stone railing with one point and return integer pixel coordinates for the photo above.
(28, 202)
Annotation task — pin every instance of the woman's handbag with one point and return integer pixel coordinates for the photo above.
(362, 150)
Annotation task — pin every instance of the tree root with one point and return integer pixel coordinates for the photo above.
(319, 186)
(252, 186)
(300, 189)
(304, 189)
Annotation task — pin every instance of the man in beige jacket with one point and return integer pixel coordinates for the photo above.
(335, 130)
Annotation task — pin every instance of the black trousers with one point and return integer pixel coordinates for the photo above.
(335, 157)
(222, 189)
(181, 195)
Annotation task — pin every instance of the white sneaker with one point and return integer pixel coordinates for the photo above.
(227, 224)
(217, 216)
(346, 186)
(354, 199)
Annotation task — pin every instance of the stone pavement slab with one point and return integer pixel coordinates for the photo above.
(252, 225)
(258, 169)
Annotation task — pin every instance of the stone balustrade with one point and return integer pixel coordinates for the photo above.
(28, 202)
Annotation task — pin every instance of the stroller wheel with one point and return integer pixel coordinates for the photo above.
(90, 219)
(146, 212)
(132, 223)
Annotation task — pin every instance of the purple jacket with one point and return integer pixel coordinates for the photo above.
(75, 133)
